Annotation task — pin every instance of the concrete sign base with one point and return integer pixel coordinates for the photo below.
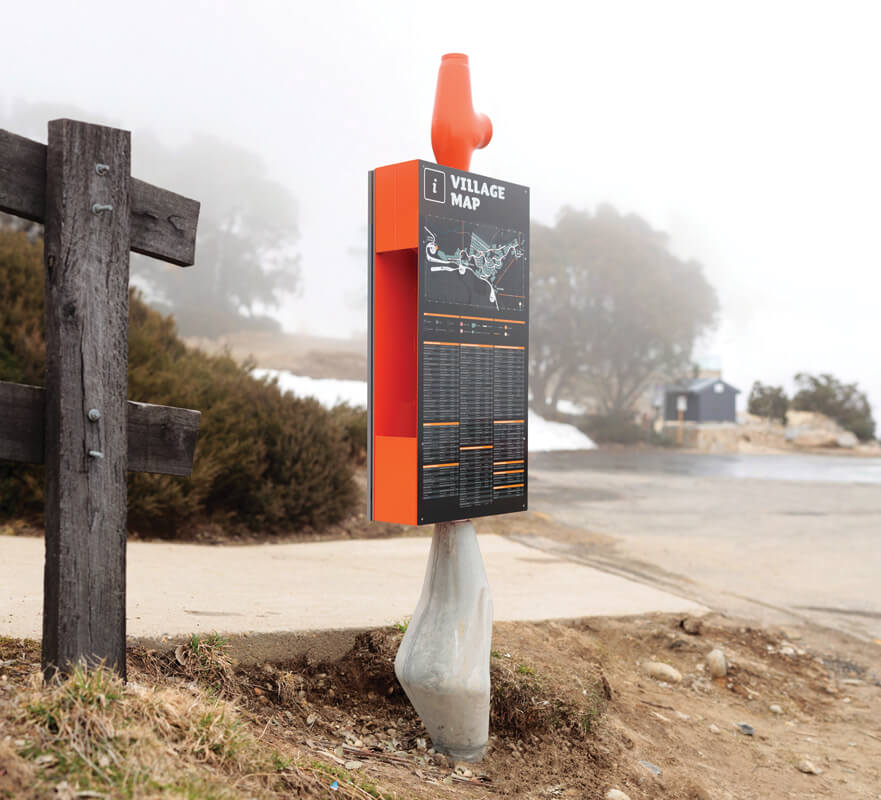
(443, 660)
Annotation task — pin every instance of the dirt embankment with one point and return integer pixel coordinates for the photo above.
(575, 713)
(313, 356)
(804, 432)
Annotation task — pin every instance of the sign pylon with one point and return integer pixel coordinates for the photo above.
(448, 383)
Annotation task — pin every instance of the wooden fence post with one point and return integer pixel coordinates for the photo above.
(87, 242)
(81, 425)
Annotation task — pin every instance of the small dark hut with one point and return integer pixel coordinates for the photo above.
(706, 400)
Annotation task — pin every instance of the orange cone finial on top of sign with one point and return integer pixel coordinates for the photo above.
(457, 130)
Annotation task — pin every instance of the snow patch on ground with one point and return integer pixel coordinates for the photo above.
(327, 391)
(568, 407)
(544, 435)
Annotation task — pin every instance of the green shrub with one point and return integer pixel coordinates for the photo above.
(22, 354)
(353, 421)
(22, 350)
(843, 402)
(770, 402)
(614, 428)
(265, 460)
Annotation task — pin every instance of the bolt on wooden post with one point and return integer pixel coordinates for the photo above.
(82, 426)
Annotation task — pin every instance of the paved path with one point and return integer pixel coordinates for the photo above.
(176, 589)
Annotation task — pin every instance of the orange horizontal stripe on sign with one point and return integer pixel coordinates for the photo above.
(508, 421)
(434, 424)
(508, 486)
(478, 447)
(435, 466)
(508, 472)
(492, 319)
(508, 347)
(482, 319)
(499, 463)
(446, 344)
(476, 345)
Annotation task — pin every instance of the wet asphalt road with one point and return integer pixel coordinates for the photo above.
(818, 468)
(794, 537)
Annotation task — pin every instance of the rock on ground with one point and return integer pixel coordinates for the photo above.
(661, 672)
(616, 794)
(692, 626)
(717, 663)
(847, 440)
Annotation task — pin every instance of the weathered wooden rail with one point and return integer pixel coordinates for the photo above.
(161, 439)
(82, 426)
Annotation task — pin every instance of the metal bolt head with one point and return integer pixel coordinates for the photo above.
(100, 208)
(102, 169)
(94, 414)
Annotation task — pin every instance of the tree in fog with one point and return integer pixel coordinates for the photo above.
(768, 401)
(612, 309)
(245, 246)
(843, 402)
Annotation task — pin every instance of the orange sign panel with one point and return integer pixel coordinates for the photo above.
(449, 338)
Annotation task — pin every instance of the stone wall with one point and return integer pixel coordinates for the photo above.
(708, 437)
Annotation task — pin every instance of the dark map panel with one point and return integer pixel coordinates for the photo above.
(473, 345)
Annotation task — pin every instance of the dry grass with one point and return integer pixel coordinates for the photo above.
(524, 704)
(207, 661)
(89, 735)
(193, 726)
(96, 734)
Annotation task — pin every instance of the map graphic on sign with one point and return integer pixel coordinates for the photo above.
(474, 264)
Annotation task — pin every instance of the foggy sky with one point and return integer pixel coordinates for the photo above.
(750, 132)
